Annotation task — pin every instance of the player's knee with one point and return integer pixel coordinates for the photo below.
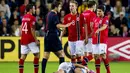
(103, 56)
(96, 56)
(60, 53)
(37, 55)
(46, 55)
(73, 56)
(23, 56)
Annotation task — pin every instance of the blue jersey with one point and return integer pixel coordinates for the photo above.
(51, 21)
(52, 42)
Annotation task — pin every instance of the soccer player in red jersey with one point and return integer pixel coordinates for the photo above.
(99, 38)
(75, 32)
(29, 41)
(88, 15)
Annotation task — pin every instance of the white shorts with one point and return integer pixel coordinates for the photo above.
(25, 49)
(88, 46)
(99, 48)
(76, 47)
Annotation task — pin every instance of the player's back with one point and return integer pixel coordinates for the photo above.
(28, 22)
(89, 15)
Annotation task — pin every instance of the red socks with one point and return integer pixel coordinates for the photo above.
(36, 65)
(86, 59)
(21, 65)
(79, 60)
(97, 65)
(106, 63)
(73, 60)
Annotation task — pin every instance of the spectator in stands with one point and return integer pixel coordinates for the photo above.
(113, 31)
(4, 28)
(5, 8)
(2, 15)
(65, 6)
(121, 21)
(13, 5)
(62, 14)
(43, 10)
(108, 6)
(111, 18)
(22, 7)
(118, 8)
(40, 27)
(101, 2)
(125, 32)
(14, 16)
(129, 3)
(82, 7)
(15, 28)
(38, 14)
(127, 15)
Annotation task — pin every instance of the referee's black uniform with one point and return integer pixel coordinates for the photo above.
(52, 42)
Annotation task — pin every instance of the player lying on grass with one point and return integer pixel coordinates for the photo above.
(68, 67)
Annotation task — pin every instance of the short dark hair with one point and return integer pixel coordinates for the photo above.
(28, 7)
(55, 4)
(91, 3)
(102, 7)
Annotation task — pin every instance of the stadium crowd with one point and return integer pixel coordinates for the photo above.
(12, 11)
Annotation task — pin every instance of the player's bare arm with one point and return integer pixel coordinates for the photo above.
(91, 26)
(86, 34)
(34, 35)
(102, 28)
(62, 34)
(63, 26)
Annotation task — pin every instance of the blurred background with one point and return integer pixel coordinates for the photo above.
(12, 11)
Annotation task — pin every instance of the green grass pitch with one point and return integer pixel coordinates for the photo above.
(12, 67)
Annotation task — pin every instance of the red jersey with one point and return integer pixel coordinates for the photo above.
(75, 30)
(28, 22)
(88, 16)
(102, 36)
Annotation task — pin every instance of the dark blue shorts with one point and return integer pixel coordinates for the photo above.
(52, 43)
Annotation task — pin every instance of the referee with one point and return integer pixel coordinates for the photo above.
(51, 41)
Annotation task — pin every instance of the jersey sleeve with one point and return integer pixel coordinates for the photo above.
(32, 23)
(106, 21)
(56, 19)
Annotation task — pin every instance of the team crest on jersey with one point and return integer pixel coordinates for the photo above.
(96, 24)
(95, 20)
(77, 19)
(107, 22)
(69, 18)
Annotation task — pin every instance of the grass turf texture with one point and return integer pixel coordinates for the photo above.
(12, 67)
